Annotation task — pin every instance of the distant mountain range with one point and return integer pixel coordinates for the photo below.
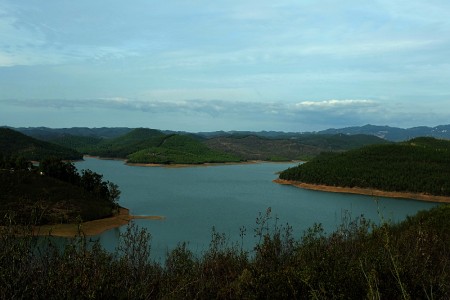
(394, 133)
(385, 132)
(143, 145)
(46, 134)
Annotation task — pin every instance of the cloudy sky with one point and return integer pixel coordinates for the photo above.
(198, 65)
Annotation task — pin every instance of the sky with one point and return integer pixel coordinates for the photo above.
(197, 65)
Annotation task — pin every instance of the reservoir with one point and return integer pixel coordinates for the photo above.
(229, 198)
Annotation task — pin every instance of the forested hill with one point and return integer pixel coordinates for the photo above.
(303, 147)
(53, 193)
(389, 133)
(13, 143)
(181, 149)
(421, 165)
(124, 145)
(143, 145)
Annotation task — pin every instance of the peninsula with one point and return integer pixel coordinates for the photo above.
(90, 228)
(417, 169)
(55, 199)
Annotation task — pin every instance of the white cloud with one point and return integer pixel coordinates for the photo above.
(335, 104)
(224, 115)
(200, 106)
(251, 59)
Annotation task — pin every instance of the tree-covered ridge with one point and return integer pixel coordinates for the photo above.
(18, 144)
(78, 143)
(54, 192)
(124, 145)
(339, 142)
(143, 145)
(302, 147)
(138, 143)
(421, 165)
(180, 149)
(48, 134)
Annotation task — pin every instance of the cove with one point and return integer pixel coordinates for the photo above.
(193, 200)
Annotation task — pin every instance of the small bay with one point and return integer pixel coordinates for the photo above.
(193, 200)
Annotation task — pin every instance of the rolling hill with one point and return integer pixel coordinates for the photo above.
(394, 133)
(304, 147)
(421, 165)
(124, 145)
(180, 149)
(35, 199)
(13, 143)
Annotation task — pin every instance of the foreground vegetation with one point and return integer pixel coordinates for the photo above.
(359, 260)
(421, 165)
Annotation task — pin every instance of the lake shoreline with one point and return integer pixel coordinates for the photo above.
(90, 228)
(179, 165)
(364, 191)
(250, 162)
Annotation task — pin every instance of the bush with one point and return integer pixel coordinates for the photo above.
(358, 260)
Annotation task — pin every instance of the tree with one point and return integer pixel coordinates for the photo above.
(56, 168)
(114, 193)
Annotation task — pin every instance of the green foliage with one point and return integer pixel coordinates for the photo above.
(340, 142)
(15, 162)
(301, 147)
(144, 145)
(18, 144)
(78, 143)
(122, 146)
(55, 194)
(180, 149)
(420, 166)
(59, 169)
(358, 260)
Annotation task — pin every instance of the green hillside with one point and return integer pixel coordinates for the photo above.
(340, 142)
(54, 193)
(144, 145)
(13, 143)
(252, 147)
(126, 144)
(421, 165)
(45, 200)
(78, 143)
(181, 149)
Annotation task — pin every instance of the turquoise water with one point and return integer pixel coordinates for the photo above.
(228, 197)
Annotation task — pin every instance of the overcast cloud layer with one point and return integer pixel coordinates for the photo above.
(224, 65)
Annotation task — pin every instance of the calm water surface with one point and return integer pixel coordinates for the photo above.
(228, 197)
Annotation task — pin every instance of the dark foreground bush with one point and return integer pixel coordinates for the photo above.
(359, 260)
